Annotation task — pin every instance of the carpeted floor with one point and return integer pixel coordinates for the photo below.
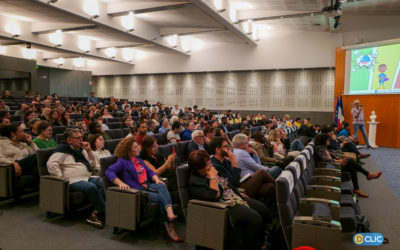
(381, 208)
(26, 227)
(388, 161)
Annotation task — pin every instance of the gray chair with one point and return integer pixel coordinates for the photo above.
(115, 133)
(55, 196)
(182, 152)
(12, 186)
(126, 209)
(125, 131)
(300, 220)
(114, 125)
(58, 130)
(205, 221)
(110, 145)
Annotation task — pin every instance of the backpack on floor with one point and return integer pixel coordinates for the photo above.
(363, 225)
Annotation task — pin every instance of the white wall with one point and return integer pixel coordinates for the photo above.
(275, 50)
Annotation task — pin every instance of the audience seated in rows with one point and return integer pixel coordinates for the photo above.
(321, 149)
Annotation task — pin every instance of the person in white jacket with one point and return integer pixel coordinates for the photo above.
(75, 160)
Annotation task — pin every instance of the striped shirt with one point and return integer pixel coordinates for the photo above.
(360, 118)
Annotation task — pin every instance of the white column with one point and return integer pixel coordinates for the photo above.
(372, 133)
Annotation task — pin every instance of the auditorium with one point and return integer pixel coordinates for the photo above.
(200, 124)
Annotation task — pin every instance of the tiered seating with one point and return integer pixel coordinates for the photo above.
(312, 208)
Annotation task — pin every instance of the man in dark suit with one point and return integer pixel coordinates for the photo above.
(225, 125)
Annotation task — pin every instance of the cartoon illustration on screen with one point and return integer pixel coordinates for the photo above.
(382, 76)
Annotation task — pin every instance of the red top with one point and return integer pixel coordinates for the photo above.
(141, 171)
(139, 139)
(86, 121)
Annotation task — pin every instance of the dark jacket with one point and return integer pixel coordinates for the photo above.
(226, 170)
(193, 147)
(186, 135)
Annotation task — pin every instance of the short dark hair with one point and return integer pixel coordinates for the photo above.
(92, 127)
(97, 116)
(215, 143)
(43, 126)
(208, 129)
(140, 123)
(198, 160)
(147, 142)
(7, 130)
(326, 129)
(175, 125)
(259, 137)
(321, 139)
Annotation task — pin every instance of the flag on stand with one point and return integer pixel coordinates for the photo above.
(341, 111)
(339, 115)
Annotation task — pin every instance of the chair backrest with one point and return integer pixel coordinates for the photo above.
(110, 145)
(287, 204)
(104, 164)
(114, 125)
(125, 131)
(115, 133)
(182, 175)
(58, 130)
(166, 150)
(182, 152)
(307, 154)
(60, 138)
(42, 156)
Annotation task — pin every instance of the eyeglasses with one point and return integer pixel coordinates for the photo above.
(201, 136)
(77, 137)
(225, 146)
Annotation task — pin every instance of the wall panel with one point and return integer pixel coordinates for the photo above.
(283, 90)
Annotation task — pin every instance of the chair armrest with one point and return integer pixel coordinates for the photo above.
(54, 194)
(306, 206)
(6, 178)
(323, 164)
(219, 205)
(55, 178)
(328, 171)
(311, 221)
(325, 180)
(117, 189)
(323, 191)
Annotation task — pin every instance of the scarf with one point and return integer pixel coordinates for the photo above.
(77, 154)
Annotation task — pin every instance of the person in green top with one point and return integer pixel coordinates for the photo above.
(44, 139)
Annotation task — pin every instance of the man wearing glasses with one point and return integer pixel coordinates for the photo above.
(75, 160)
(197, 142)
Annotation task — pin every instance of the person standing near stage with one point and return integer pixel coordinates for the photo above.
(358, 121)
